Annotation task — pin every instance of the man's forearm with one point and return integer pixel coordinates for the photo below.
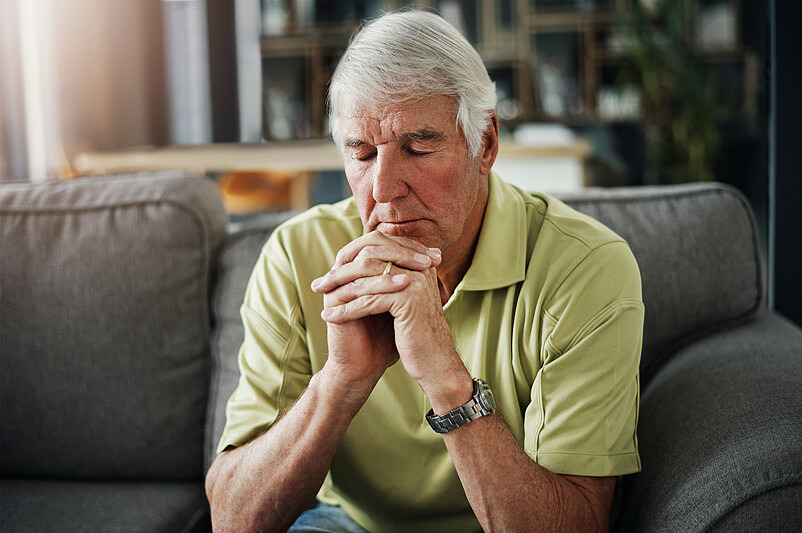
(266, 484)
(508, 491)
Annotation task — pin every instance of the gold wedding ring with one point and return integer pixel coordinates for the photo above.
(387, 268)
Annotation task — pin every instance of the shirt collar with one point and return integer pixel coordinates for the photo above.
(500, 256)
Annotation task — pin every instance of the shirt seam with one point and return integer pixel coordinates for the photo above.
(599, 318)
(589, 252)
(282, 403)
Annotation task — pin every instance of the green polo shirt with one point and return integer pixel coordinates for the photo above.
(549, 314)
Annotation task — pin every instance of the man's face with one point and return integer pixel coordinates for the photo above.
(410, 171)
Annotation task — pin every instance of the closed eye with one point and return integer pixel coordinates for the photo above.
(414, 152)
(365, 157)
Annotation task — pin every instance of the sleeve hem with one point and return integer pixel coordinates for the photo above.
(579, 464)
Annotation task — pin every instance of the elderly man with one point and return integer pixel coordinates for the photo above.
(379, 330)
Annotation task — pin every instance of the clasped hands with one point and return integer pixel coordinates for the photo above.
(376, 317)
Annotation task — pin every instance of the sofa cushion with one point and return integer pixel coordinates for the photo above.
(774, 510)
(59, 505)
(719, 427)
(697, 250)
(104, 295)
(235, 263)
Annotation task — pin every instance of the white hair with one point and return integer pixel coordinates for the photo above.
(412, 55)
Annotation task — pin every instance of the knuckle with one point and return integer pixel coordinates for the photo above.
(340, 257)
(365, 253)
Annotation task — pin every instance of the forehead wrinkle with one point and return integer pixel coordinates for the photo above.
(363, 124)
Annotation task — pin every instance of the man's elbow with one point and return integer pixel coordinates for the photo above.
(211, 480)
(215, 489)
(594, 498)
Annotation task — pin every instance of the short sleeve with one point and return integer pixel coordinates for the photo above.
(273, 359)
(582, 418)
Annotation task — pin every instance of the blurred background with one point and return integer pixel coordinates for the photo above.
(592, 93)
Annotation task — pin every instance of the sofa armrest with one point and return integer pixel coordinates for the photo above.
(720, 435)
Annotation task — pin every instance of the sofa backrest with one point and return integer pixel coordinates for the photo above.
(698, 253)
(105, 325)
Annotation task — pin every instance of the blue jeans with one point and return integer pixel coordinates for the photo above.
(324, 518)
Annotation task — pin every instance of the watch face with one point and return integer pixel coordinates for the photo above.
(486, 397)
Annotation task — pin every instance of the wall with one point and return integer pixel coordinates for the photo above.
(111, 73)
(85, 75)
(785, 252)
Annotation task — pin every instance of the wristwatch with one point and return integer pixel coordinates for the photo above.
(481, 404)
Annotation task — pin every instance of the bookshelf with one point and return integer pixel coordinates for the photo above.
(552, 60)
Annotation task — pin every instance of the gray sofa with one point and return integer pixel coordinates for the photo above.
(120, 325)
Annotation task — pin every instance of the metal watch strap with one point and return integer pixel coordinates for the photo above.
(463, 414)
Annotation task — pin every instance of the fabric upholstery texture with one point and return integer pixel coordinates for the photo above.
(106, 335)
(58, 506)
(698, 255)
(720, 426)
(774, 510)
(104, 295)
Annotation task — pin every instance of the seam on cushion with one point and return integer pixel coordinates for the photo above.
(99, 182)
(204, 284)
(790, 480)
(99, 207)
(205, 239)
(651, 194)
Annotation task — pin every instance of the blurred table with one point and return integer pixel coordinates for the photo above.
(289, 166)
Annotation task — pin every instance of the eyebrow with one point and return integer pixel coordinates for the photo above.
(424, 134)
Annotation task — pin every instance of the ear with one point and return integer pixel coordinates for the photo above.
(489, 150)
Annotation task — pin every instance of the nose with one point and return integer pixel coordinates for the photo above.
(389, 179)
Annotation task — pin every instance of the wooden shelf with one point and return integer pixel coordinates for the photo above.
(517, 38)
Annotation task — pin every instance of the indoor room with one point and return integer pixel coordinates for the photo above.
(208, 207)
